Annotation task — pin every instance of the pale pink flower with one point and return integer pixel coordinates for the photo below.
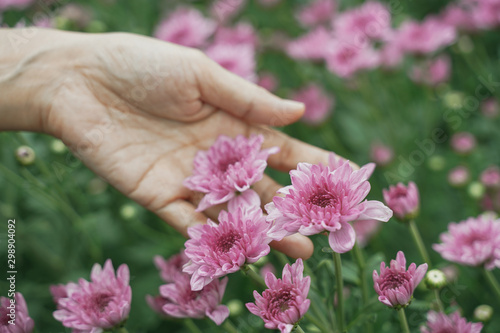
(457, 15)
(395, 285)
(370, 21)
(486, 13)
(156, 303)
(490, 177)
(267, 268)
(242, 33)
(311, 46)
(318, 104)
(425, 37)
(285, 301)
(268, 81)
(490, 108)
(459, 176)
(225, 10)
(317, 12)
(182, 302)
(172, 267)
(432, 72)
(241, 237)
(365, 229)
(58, 291)
(14, 317)
(186, 26)
(4, 4)
(321, 199)
(463, 142)
(238, 59)
(98, 305)
(473, 242)
(229, 167)
(403, 200)
(391, 54)
(381, 154)
(438, 322)
(344, 58)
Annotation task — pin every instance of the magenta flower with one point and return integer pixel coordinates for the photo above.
(229, 167)
(463, 142)
(490, 177)
(178, 300)
(238, 59)
(285, 301)
(14, 316)
(459, 176)
(404, 201)
(186, 26)
(432, 72)
(241, 237)
(224, 10)
(381, 154)
(425, 37)
(395, 285)
(171, 268)
(14, 3)
(317, 12)
(438, 322)
(457, 16)
(98, 305)
(326, 198)
(345, 58)
(311, 46)
(242, 33)
(318, 104)
(473, 242)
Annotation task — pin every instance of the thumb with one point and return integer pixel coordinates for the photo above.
(244, 99)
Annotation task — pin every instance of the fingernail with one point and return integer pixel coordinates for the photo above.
(293, 105)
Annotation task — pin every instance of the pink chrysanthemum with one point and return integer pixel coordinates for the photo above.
(440, 323)
(229, 167)
(381, 154)
(326, 198)
(317, 12)
(238, 59)
(98, 305)
(395, 285)
(171, 268)
(473, 242)
(285, 302)
(242, 33)
(403, 200)
(490, 108)
(186, 26)
(311, 46)
(490, 177)
(178, 300)
(241, 237)
(425, 37)
(224, 10)
(432, 72)
(459, 176)
(318, 104)
(463, 142)
(14, 317)
(14, 3)
(345, 58)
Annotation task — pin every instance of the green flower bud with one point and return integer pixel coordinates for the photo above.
(476, 190)
(57, 146)
(436, 163)
(96, 26)
(235, 307)
(435, 279)
(128, 211)
(483, 313)
(25, 155)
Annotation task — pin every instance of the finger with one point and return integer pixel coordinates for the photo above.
(295, 246)
(266, 189)
(244, 99)
(181, 215)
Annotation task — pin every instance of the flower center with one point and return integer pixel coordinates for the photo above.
(100, 301)
(394, 280)
(323, 200)
(226, 241)
(280, 300)
(224, 164)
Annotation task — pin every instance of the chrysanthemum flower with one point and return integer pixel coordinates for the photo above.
(236, 58)
(395, 285)
(318, 104)
(98, 305)
(228, 168)
(344, 58)
(178, 300)
(463, 142)
(285, 301)
(14, 317)
(326, 198)
(241, 237)
(439, 322)
(310, 46)
(473, 242)
(425, 37)
(172, 267)
(403, 200)
(317, 12)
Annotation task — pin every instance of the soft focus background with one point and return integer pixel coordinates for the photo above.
(410, 85)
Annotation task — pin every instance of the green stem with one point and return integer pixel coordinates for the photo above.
(403, 321)
(438, 300)
(192, 326)
(316, 322)
(121, 330)
(229, 326)
(419, 242)
(253, 275)
(493, 282)
(298, 329)
(340, 291)
(360, 260)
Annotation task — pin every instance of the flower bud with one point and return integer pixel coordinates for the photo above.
(458, 176)
(25, 155)
(490, 177)
(403, 200)
(57, 146)
(435, 279)
(128, 211)
(476, 190)
(436, 163)
(463, 142)
(235, 307)
(483, 313)
(381, 154)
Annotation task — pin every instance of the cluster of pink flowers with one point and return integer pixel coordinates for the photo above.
(326, 198)
(439, 322)
(14, 316)
(473, 242)
(6, 4)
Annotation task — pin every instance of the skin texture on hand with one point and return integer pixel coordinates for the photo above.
(136, 110)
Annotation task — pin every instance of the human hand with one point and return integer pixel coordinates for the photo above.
(136, 110)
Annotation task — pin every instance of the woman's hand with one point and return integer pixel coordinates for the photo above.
(135, 110)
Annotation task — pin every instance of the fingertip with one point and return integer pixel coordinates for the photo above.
(295, 246)
(285, 113)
